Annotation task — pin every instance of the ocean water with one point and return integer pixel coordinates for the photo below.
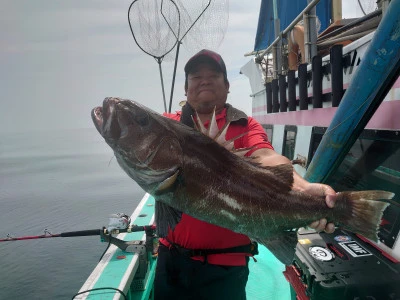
(60, 181)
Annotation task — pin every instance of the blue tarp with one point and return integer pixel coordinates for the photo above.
(287, 12)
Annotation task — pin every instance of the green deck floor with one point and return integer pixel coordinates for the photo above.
(266, 280)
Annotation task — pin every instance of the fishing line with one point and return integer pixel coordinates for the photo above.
(99, 289)
(346, 119)
(109, 163)
(108, 246)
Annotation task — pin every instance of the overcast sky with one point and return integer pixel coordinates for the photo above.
(59, 59)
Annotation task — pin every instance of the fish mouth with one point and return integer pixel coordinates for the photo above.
(97, 117)
(105, 119)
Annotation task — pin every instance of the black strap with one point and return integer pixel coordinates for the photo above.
(251, 249)
(186, 115)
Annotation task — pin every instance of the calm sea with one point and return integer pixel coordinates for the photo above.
(61, 181)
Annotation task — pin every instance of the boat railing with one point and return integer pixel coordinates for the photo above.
(312, 43)
(305, 88)
(308, 15)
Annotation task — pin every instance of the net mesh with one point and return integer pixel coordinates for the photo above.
(153, 24)
(203, 24)
(367, 6)
(157, 25)
(209, 30)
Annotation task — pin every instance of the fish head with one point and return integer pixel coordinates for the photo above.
(145, 148)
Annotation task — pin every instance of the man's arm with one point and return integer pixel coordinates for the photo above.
(268, 157)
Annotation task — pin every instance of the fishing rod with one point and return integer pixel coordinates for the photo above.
(118, 223)
(47, 234)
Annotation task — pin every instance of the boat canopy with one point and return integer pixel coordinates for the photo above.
(288, 10)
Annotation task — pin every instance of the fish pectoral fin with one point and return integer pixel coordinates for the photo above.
(166, 218)
(282, 246)
(167, 183)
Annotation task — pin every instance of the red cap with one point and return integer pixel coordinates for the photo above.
(206, 56)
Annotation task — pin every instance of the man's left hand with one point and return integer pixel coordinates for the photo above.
(319, 189)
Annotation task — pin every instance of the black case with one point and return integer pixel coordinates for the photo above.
(342, 265)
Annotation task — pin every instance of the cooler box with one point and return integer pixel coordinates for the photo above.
(342, 265)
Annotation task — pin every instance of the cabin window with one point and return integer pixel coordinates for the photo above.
(269, 130)
(373, 163)
(289, 141)
(316, 137)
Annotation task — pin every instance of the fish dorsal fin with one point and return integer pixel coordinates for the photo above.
(283, 176)
(199, 125)
(220, 137)
(213, 132)
(213, 129)
(229, 144)
(241, 152)
(167, 183)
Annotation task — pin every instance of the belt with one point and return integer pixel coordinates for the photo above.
(251, 249)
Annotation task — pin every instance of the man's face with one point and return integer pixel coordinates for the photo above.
(206, 88)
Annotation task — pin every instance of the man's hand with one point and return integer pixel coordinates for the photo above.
(268, 157)
(319, 189)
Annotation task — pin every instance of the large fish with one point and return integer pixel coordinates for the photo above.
(192, 173)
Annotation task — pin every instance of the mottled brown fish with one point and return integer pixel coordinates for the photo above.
(190, 172)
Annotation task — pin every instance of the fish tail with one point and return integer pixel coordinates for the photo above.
(362, 211)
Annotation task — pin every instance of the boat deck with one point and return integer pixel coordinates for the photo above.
(266, 280)
(117, 268)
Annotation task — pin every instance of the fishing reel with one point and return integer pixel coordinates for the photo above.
(118, 221)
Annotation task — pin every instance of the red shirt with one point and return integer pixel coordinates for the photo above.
(192, 233)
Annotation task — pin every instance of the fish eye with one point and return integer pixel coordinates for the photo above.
(142, 119)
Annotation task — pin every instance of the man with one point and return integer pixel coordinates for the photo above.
(296, 45)
(189, 263)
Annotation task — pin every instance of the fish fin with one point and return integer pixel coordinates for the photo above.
(195, 126)
(198, 124)
(241, 152)
(220, 137)
(167, 183)
(228, 144)
(366, 211)
(213, 130)
(166, 218)
(283, 246)
(216, 134)
(282, 176)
